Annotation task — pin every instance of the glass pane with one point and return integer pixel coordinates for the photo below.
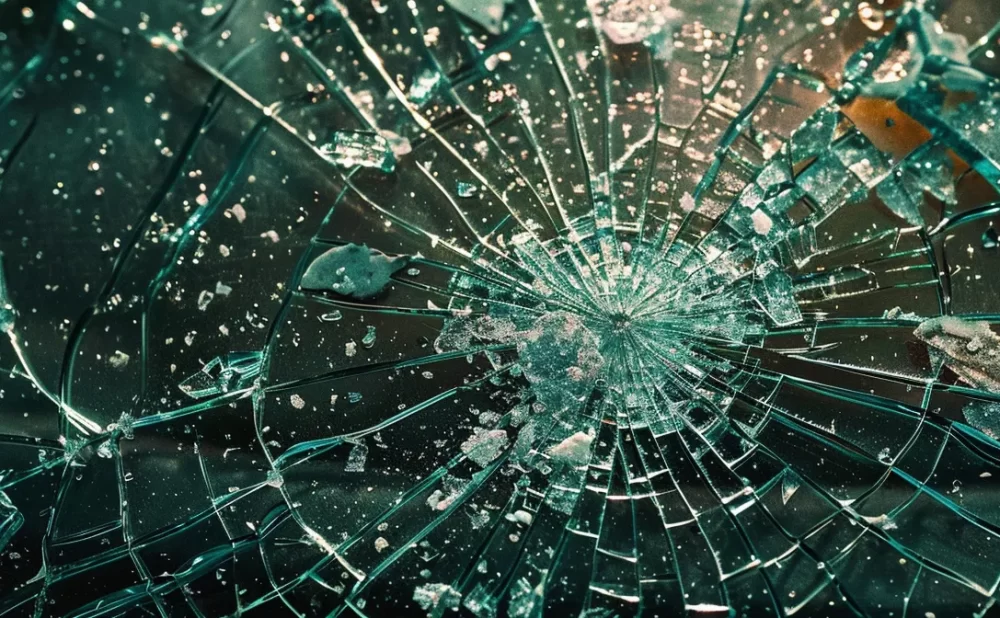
(487, 308)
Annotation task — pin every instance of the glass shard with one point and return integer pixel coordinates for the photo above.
(351, 270)
(223, 374)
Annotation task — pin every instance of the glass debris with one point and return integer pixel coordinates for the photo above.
(223, 374)
(490, 308)
(351, 270)
(359, 149)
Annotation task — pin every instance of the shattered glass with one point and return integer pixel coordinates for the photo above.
(485, 308)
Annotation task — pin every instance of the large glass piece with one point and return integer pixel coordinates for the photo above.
(490, 308)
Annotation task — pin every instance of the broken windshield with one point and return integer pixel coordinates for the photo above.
(487, 308)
